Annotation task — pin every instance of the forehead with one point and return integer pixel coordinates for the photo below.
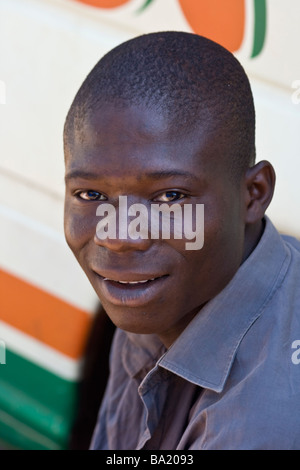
(112, 124)
(133, 137)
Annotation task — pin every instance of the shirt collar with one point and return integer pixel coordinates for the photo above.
(204, 352)
(140, 353)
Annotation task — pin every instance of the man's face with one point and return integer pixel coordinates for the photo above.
(136, 152)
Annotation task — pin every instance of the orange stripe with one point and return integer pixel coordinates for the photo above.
(43, 316)
(104, 3)
(222, 21)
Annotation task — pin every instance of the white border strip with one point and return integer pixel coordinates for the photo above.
(39, 353)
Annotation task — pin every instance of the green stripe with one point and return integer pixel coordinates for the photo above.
(36, 398)
(19, 436)
(144, 6)
(260, 26)
(38, 383)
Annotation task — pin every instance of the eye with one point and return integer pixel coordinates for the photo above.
(90, 195)
(170, 196)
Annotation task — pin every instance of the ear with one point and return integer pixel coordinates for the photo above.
(259, 185)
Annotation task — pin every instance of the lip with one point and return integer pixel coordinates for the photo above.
(131, 295)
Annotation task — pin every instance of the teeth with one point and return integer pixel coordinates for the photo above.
(133, 282)
(130, 282)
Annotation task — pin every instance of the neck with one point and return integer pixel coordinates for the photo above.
(253, 233)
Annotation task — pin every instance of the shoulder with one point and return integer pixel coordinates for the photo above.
(292, 242)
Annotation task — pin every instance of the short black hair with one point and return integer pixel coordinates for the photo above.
(191, 79)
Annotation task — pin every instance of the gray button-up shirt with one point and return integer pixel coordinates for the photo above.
(232, 378)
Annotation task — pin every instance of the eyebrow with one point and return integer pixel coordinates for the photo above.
(86, 175)
(156, 175)
(171, 173)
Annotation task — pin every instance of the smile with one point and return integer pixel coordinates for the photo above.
(131, 282)
(131, 293)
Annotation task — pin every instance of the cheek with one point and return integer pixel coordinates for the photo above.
(79, 227)
(223, 244)
(204, 272)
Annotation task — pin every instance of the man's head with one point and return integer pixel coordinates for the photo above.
(192, 80)
(166, 117)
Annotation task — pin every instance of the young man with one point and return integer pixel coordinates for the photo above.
(203, 353)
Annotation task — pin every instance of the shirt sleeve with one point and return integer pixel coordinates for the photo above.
(100, 439)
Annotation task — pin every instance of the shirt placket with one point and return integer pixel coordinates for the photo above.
(153, 393)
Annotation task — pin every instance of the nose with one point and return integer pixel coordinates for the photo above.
(116, 233)
(123, 245)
